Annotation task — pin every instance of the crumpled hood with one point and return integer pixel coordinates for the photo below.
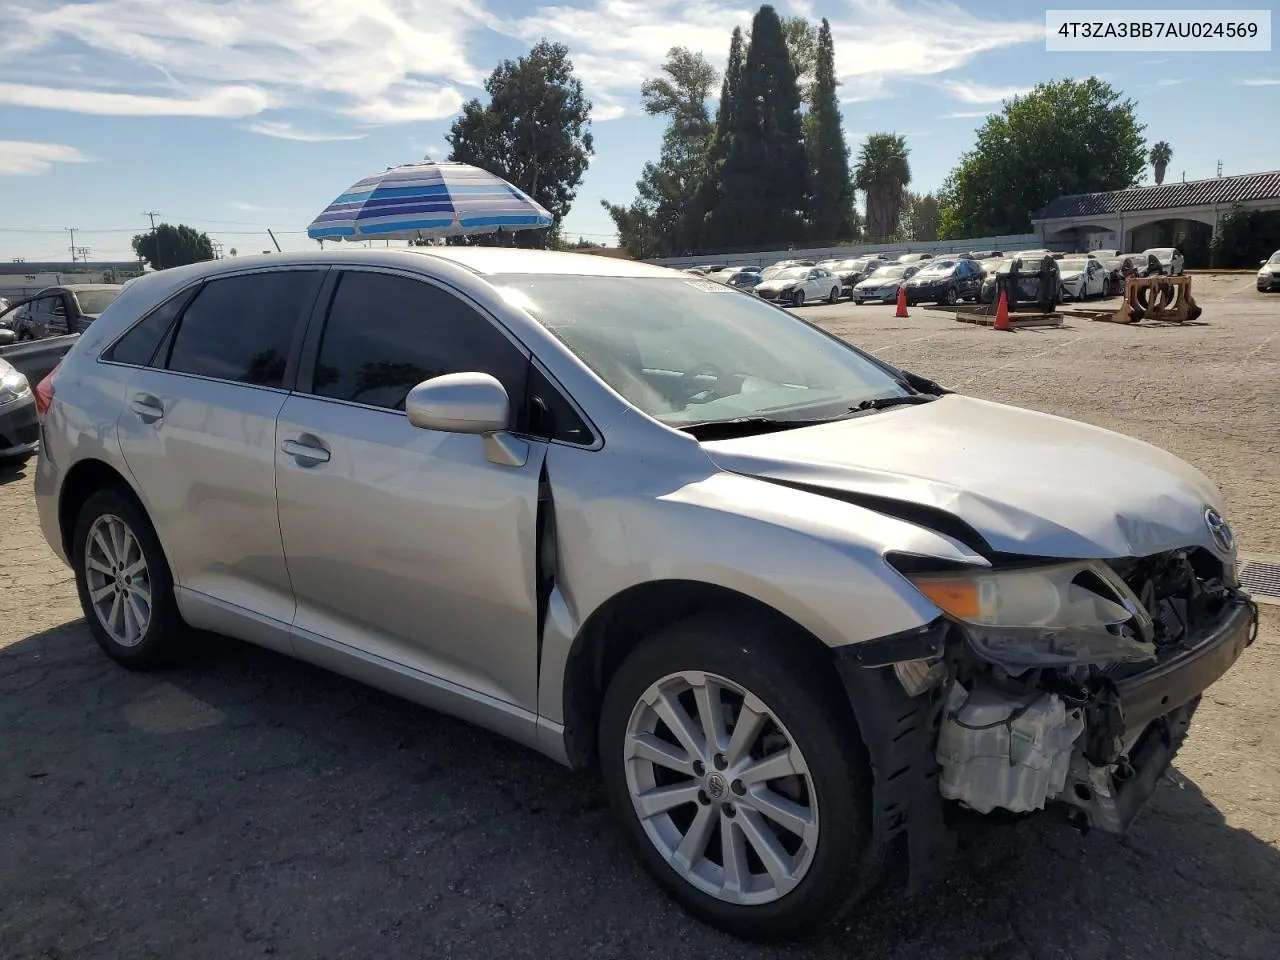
(1028, 482)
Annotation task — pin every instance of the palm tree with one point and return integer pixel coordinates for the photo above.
(883, 173)
(1160, 156)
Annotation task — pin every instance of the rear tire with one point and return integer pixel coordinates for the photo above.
(834, 296)
(825, 860)
(124, 583)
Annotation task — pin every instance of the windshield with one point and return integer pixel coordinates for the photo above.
(937, 266)
(768, 273)
(686, 352)
(888, 273)
(93, 302)
(1275, 257)
(1066, 265)
(792, 273)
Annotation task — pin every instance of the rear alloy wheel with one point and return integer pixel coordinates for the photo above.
(797, 298)
(739, 777)
(124, 582)
(834, 296)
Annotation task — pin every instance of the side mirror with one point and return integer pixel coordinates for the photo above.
(475, 403)
(7, 337)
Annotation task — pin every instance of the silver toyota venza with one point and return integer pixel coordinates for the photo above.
(791, 600)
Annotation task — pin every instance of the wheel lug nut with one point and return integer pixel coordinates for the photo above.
(702, 798)
(720, 761)
(698, 768)
(738, 787)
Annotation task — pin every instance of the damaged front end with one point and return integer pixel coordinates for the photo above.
(1051, 683)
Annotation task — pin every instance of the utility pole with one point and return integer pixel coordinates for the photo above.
(72, 231)
(217, 249)
(153, 214)
(1219, 168)
(83, 252)
(159, 254)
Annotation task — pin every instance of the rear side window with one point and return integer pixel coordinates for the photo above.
(386, 334)
(242, 328)
(138, 346)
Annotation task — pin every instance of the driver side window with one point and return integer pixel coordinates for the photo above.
(386, 334)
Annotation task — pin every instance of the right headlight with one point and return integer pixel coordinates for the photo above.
(1044, 616)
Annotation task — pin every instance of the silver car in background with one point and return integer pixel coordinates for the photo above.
(789, 599)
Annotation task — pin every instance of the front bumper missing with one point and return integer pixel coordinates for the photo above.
(1145, 721)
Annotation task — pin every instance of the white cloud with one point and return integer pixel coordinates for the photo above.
(965, 114)
(1170, 82)
(213, 102)
(381, 60)
(881, 39)
(287, 131)
(27, 157)
(1260, 82)
(968, 92)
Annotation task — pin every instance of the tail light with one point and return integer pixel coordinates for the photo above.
(44, 392)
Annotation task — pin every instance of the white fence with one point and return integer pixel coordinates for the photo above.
(1021, 241)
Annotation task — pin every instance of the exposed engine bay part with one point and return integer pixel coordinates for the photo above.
(917, 676)
(997, 751)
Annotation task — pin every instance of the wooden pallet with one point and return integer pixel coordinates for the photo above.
(1016, 320)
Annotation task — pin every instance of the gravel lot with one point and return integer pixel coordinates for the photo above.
(254, 806)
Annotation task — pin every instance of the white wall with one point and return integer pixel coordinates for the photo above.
(1022, 241)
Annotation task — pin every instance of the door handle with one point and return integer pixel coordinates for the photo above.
(306, 453)
(148, 408)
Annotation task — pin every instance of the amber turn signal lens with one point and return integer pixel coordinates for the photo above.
(956, 597)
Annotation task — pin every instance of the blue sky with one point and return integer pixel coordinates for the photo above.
(236, 115)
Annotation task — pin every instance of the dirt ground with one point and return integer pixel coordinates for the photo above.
(254, 806)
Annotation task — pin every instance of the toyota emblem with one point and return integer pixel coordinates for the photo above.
(1219, 530)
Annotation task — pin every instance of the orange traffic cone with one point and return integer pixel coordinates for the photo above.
(1002, 313)
(902, 304)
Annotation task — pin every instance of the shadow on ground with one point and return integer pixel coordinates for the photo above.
(251, 805)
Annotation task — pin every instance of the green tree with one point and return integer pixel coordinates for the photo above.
(1064, 137)
(883, 172)
(921, 216)
(534, 132)
(764, 178)
(1160, 155)
(802, 47)
(711, 194)
(1245, 237)
(170, 246)
(831, 214)
(666, 216)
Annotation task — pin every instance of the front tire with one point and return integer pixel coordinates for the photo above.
(734, 766)
(797, 298)
(948, 298)
(124, 583)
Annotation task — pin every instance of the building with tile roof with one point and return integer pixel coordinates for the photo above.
(1143, 217)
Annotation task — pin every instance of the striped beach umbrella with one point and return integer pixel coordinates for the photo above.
(428, 199)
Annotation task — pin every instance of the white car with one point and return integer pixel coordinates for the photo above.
(914, 257)
(1082, 277)
(884, 283)
(1269, 275)
(796, 285)
(1170, 258)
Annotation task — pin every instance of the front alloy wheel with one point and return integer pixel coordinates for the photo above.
(797, 298)
(721, 788)
(733, 763)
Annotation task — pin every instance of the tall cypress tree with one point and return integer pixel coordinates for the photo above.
(764, 179)
(831, 212)
(711, 196)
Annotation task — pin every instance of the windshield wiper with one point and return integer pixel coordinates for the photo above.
(746, 426)
(880, 403)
